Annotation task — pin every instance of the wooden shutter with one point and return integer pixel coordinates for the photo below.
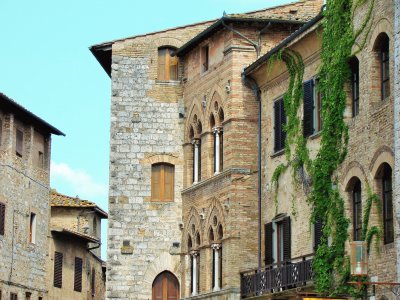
(268, 243)
(279, 122)
(2, 217)
(173, 66)
(78, 275)
(19, 142)
(155, 182)
(162, 53)
(308, 113)
(168, 182)
(58, 265)
(286, 239)
(317, 233)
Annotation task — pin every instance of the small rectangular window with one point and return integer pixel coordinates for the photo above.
(40, 159)
(32, 230)
(168, 65)
(162, 182)
(78, 275)
(93, 283)
(312, 118)
(205, 58)
(279, 123)
(2, 217)
(19, 143)
(58, 266)
(13, 296)
(28, 295)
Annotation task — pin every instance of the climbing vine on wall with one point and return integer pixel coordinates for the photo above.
(331, 265)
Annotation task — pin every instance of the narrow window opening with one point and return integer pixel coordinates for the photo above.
(32, 229)
(205, 58)
(355, 86)
(2, 217)
(19, 143)
(78, 274)
(58, 266)
(357, 211)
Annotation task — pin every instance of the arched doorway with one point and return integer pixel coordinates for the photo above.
(166, 287)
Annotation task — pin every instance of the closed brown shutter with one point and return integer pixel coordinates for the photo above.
(279, 122)
(308, 112)
(161, 64)
(19, 143)
(317, 233)
(286, 239)
(173, 66)
(78, 275)
(2, 217)
(268, 244)
(58, 265)
(155, 182)
(168, 183)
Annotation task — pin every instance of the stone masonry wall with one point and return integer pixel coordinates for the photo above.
(397, 127)
(145, 129)
(24, 189)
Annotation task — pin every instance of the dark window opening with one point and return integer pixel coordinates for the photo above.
(279, 124)
(387, 204)
(355, 86)
(357, 211)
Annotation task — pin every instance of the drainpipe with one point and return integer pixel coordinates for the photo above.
(254, 44)
(252, 84)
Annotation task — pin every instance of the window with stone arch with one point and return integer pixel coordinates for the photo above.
(217, 117)
(165, 287)
(215, 236)
(355, 192)
(195, 131)
(162, 182)
(168, 64)
(193, 245)
(384, 180)
(355, 85)
(382, 63)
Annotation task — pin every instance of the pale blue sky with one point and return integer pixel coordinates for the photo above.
(46, 66)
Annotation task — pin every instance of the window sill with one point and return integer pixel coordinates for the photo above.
(168, 82)
(315, 135)
(278, 153)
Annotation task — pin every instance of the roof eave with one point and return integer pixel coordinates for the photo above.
(285, 43)
(103, 54)
(22, 113)
(219, 23)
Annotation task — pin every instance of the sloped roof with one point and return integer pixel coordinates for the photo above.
(8, 104)
(76, 234)
(60, 200)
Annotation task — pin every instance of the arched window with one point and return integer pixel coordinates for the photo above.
(218, 133)
(382, 50)
(196, 142)
(165, 287)
(387, 204)
(357, 210)
(167, 64)
(355, 86)
(162, 182)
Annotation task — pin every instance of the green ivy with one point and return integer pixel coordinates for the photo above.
(331, 265)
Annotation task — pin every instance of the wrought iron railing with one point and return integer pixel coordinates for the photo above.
(277, 277)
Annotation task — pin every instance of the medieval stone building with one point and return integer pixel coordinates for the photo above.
(25, 144)
(75, 269)
(183, 164)
(289, 237)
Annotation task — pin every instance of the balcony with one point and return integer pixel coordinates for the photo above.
(277, 277)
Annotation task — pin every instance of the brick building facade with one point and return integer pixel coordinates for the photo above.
(25, 144)
(191, 232)
(75, 269)
(369, 161)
